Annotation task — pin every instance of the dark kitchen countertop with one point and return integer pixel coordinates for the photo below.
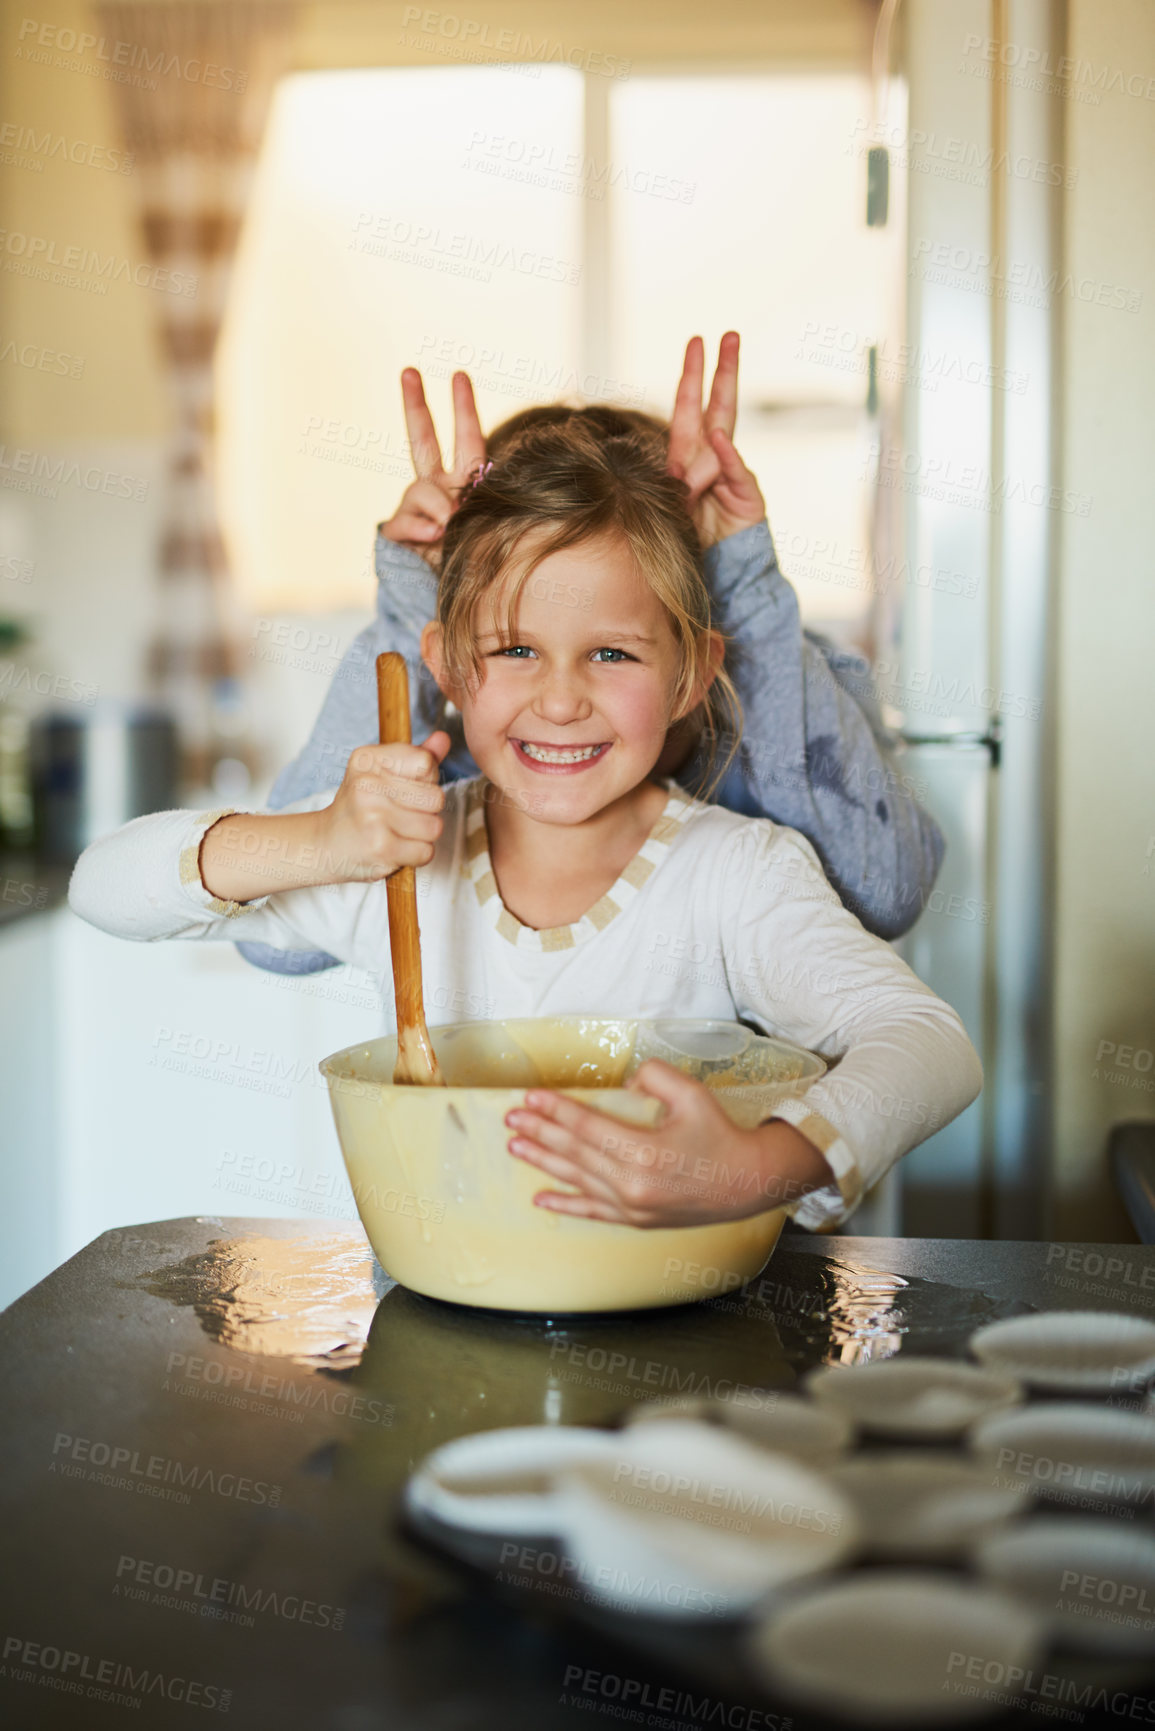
(201, 1469)
(29, 885)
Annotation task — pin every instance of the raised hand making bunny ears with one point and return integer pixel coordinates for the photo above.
(724, 494)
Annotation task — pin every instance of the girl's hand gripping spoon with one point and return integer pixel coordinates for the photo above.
(416, 1059)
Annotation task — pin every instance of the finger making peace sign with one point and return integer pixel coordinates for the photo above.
(430, 500)
(724, 495)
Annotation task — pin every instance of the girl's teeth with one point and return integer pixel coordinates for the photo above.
(544, 754)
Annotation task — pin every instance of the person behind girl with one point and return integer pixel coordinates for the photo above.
(568, 877)
(814, 753)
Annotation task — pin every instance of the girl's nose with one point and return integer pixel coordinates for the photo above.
(560, 698)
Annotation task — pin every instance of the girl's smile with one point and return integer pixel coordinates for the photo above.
(549, 759)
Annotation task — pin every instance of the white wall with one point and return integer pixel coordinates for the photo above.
(1105, 925)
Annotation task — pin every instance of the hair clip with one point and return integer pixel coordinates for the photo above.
(482, 472)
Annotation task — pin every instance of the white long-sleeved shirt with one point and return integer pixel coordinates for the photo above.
(717, 915)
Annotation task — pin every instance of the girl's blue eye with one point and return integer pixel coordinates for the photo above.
(522, 652)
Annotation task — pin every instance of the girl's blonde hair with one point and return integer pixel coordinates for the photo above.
(567, 476)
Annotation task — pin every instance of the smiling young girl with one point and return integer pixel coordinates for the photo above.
(573, 632)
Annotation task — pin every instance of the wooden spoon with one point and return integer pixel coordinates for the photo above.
(416, 1059)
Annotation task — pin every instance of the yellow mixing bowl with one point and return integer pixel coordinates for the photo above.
(449, 1211)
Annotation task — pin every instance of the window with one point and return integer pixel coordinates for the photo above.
(554, 242)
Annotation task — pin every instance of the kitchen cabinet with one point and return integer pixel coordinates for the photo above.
(147, 1080)
(31, 1243)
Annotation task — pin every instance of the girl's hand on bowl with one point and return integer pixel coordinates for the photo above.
(428, 502)
(695, 1168)
(387, 811)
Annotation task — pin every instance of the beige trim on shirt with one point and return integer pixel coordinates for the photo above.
(189, 864)
(477, 866)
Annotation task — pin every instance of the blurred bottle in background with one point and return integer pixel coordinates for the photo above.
(93, 769)
(16, 827)
(15, 785)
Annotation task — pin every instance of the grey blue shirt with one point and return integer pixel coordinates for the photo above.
(812, 755)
